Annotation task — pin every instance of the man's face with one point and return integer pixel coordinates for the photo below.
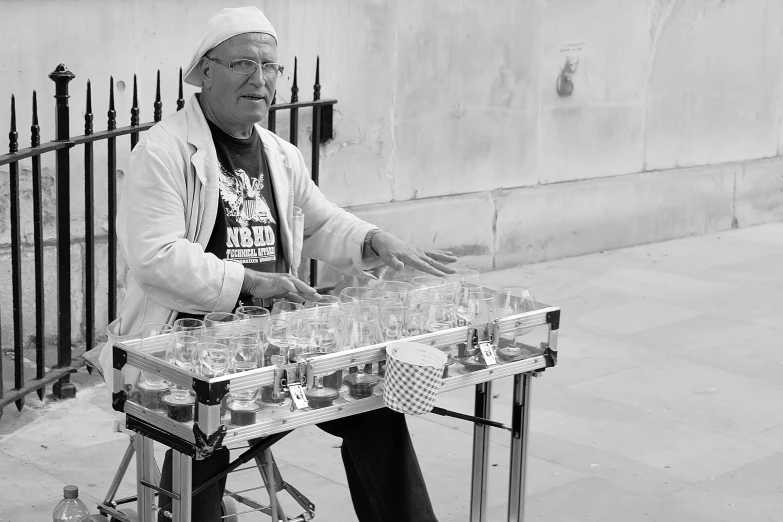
(240, 99)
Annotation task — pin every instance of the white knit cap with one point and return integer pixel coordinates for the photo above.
(224, 25)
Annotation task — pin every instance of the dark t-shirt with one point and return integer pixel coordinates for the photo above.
(247, 226)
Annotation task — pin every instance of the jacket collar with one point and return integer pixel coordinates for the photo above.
(200, 137)
(282, 180)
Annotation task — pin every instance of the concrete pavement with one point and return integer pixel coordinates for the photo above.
(666, 404)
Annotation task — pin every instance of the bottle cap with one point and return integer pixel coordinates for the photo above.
(71, 492)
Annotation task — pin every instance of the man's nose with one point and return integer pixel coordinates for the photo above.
(258, 78)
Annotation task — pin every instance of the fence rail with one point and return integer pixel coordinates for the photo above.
(59, 374)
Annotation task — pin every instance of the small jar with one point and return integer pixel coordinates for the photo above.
(321, 397)
(361, 385)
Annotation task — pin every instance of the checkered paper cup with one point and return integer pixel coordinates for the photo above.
(414, 373)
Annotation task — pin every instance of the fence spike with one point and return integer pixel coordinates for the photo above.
(294, 86)
(158, 104)
(181, 99)
(35, 129)
(112, 125)
(317, 86)
(88, 111)
(13, 136)
(135, 107)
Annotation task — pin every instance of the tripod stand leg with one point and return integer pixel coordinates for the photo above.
(115, 483)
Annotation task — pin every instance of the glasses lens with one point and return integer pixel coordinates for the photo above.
(244, 66)
(272, 70)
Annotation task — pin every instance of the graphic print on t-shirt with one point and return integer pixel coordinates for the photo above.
(253, 239)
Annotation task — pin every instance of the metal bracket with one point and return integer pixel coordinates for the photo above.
(553, 318)
(302, 500)
(118, 400)
(206, 445)
(119, 357)
(489, 333)
(550, 355)
(286, 374)
(210, 393)
(158, 435)
(327, 126)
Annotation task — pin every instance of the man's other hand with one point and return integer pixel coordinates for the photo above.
(265, 285)
(397, 254)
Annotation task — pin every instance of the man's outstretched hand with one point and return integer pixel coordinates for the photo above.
(266, 285)
(397, 254)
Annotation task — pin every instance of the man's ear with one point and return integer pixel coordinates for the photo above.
(205, 67)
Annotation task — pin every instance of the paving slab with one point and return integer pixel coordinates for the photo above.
(23, 484)
(700, 395)
(753, 492)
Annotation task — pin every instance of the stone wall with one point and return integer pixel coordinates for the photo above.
(448, 128)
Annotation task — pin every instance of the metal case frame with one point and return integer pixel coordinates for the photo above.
(198, 439)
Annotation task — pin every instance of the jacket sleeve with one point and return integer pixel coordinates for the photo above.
(331, 234)
(152, 234)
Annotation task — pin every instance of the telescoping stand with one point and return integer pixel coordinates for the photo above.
(199, 438)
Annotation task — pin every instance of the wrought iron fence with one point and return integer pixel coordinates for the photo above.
(59, 375)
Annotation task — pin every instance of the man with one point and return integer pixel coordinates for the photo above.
(217, 211)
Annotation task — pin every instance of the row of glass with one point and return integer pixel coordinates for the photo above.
(253, 337)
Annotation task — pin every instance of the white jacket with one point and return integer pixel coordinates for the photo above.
(167, 212)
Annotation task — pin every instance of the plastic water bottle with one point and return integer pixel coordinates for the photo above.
(70, 508)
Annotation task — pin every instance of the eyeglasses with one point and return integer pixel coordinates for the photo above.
(247, 67)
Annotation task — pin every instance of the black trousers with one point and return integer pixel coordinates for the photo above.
(383, 473)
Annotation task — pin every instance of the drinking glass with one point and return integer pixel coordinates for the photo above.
(284, 308)
(475, 307)
(304, 346)
(333, 316)
(427, 281)
(395, 289)
(278, 338)
(243, 399)
(252, 320)
(297, 324)
(361, 331)
(366, 307)
(191, 326)
(391, 317)
(153, 344)
(464, 275)
(512, 300)
(326, 301)
(447, 290)
(359, 293)
(417, 296)
(184, 353)
(220, 319)
(220, 335)
(223, 326)
(214, 359)
(245, 353)
(324, 338)
(245, 348)
(328, 339)
(439, 315)
(413, 321)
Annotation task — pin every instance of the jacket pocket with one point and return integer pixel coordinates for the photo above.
(298, 238)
